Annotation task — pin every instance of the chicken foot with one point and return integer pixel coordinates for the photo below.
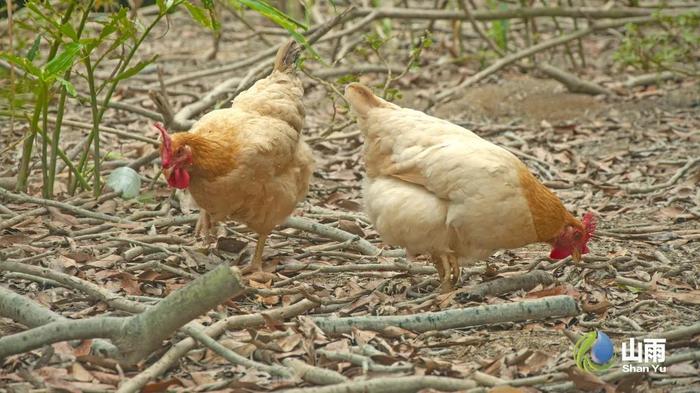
(208, 228)
(203, 226)
(456, 269)
(449, 271)
(256, 263)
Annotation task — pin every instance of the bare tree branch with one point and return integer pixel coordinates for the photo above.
(139, 335)
(554, 306)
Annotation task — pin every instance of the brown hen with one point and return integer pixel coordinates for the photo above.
(248, 162)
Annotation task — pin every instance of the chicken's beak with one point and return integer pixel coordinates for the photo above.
(576, 255)
(167, 172)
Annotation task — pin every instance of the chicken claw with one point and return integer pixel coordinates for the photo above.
(256, 263)
(456, 269)
(204, 228)
(444, 268)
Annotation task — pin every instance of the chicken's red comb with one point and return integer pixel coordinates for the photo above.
(167, 151)
(164, 133)
(589, 223)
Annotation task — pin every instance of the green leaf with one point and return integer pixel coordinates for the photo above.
(347, 78)
(61, 63)
(68, 30)
(89, 44)
(168, 6)
(31, 55)
(216, 25)
(499, 28)
(200, 15)
(126, 181)
(283, 20)
(131, 71)
(113, 155)
(38, 12)
(112, 25)
(162, 8)
(272, 13)
(24, 63)
(70, 89)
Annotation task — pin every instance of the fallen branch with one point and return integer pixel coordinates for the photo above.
(410, 384)
(9, 223)
(365, 362)
(139, 335)
(21, 198)
(505, 285)
(647, 79)
(181, 348)
(94, 291)
(357, 243)
(679, 333)
(317, 268)
(512, 58)
(620, 280)
(24, 310)
(233, 357)
(301, 223)
(126, 107)
(312, 374)
(573, 83)
(512, 13)
(29, 313)
(548, 307)
(182, 119)
(673, 180)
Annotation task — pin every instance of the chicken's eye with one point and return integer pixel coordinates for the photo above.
(577, 235)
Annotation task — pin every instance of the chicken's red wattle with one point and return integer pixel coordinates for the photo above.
(179, 178)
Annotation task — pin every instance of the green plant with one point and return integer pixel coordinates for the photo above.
(293, 27)
(69, 46)
(375, 43)
(498, 31)
(42, 81)
(75, 54)
(673, 44)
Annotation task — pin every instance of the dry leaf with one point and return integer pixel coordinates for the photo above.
(596, 308)
(351, 226)
(83, 349)
(58, 216)
(160, 386)
(395, 331)
(80, 373)
(691, 297)
(506, 389)
(588, 382)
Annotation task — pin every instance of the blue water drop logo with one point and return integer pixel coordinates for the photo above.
(603, 349)
(594, 352)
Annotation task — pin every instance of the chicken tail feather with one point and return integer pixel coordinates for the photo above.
(287, 55)
(362, 99)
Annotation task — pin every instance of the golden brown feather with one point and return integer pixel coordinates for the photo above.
(248, 162)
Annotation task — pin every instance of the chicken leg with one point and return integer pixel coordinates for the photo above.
(437, 261)
(456, 269)
(444, 269)
(203, 227)
(256, 263)
(449, 271)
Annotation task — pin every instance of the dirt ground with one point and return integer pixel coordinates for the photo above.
(616, 156)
